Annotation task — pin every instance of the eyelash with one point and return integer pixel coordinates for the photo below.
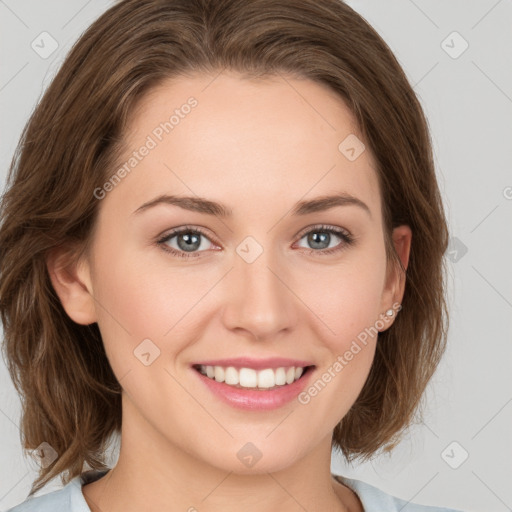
(347, 238)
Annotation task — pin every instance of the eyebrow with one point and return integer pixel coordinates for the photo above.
(202, 205)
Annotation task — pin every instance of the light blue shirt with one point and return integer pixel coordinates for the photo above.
(71, 499)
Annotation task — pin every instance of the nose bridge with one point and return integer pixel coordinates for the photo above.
(258, 301)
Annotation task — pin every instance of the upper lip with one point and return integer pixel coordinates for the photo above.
(257, 364)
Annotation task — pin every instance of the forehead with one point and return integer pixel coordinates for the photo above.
(228, 136)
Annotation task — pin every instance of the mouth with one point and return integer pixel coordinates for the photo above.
(262, 379)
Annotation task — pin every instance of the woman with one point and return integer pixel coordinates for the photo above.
(222, 240)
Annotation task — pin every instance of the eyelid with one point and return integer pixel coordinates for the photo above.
(185, 228)
(307, 229)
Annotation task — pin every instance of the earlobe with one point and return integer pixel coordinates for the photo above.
(71, 281)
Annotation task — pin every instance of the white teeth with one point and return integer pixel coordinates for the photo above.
(248, 378)
(280, 377)
(266, 378)
(231, 376)
(219, 373)
(251, 378)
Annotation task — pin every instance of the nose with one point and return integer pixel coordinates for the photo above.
(259, 299)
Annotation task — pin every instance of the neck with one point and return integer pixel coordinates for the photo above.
(154, 474)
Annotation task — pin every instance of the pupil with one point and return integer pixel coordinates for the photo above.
(191, 242)
(316, 239)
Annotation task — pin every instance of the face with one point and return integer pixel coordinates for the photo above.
(273, 285)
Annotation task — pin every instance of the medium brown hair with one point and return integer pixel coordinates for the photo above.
(70, 396)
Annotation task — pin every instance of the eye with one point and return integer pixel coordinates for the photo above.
(188, 243)
(320, 238)
(188, 239)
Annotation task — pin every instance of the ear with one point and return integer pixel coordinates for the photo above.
(71, 280)
(394, 288)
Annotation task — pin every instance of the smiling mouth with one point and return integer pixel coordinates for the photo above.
(248, 378)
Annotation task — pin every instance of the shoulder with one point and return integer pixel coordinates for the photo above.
(67, 499)
(376, 500)
(57, 501)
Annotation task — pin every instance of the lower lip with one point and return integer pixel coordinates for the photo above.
(253, 399)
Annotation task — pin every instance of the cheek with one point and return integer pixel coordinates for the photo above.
(347, 337)
(346, 298)
(137, 301)
(347, 301)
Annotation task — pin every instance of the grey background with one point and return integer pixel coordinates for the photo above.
(468, 101)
